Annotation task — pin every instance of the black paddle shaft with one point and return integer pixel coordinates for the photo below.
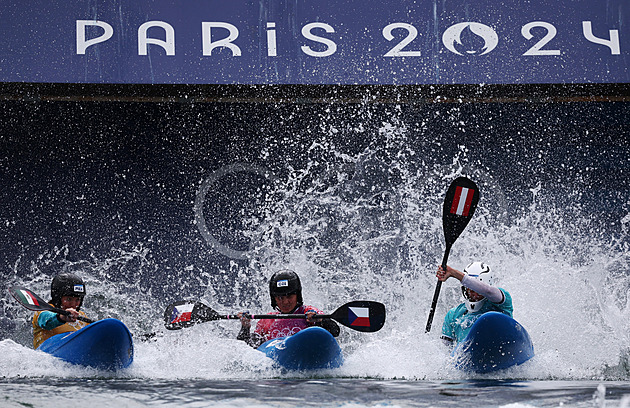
(460, 203)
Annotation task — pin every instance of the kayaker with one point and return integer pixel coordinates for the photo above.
(67, 291)
(285, 291)
(480, 296)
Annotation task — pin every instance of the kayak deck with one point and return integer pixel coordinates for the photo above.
(309, 349)
(495, 342)
(106, 344)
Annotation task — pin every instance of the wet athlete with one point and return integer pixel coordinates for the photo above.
(67, 292)
(480, 296)
(285, 291)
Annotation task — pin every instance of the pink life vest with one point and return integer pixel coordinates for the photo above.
(273, 328)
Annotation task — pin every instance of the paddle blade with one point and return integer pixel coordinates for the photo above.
(460, 203)
(459, 206)
(28, 299)
(361, 315)
(185, 314)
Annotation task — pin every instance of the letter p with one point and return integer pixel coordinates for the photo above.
(82, 44)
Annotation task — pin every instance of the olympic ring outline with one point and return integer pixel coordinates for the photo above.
(200, 198)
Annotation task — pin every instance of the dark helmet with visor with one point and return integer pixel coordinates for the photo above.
(66, 284)
(285, 282)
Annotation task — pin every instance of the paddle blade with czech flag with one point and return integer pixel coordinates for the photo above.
(185, 314)
(178, 315)
(361, 315)
(28, 299)
(459, 206)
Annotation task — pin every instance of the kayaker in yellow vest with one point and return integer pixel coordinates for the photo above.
(67, 291)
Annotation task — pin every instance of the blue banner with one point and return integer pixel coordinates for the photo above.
(315, 42)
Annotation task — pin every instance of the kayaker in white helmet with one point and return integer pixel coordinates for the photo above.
(480, 296)
(67, 291)
(285, 291)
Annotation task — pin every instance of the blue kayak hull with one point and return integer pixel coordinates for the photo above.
(313, 348)
(105, 344)
(495, 342)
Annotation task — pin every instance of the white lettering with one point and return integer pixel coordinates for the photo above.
(272, 47)
(82, 44)
(526, 31)
(206, 37)
(412, 33)
(331, 46)
(168, 45)
(613, 43)
(465, 38)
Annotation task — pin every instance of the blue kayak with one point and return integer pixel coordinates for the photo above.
(105, 344)
(495, 342)
(313, 348)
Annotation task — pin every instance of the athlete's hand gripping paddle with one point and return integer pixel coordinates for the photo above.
(360, 315)
(31, 301)
(459, 206)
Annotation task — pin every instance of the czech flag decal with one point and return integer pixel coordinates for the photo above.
(462, 201)
(359, 316)
(181, 313)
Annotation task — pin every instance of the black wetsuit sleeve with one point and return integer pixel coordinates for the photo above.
(329, 325)
(252, 339)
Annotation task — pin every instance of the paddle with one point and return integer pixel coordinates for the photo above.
(31, 301)
(360, 315)
(459, 206)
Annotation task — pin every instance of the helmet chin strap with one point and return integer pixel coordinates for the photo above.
(291, 312)
(474, 306)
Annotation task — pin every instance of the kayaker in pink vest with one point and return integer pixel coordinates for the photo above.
(67, 291)
(285, 291)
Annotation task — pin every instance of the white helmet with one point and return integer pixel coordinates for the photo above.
(482, 272)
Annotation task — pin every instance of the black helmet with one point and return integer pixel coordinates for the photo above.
(285, 282)
(66, 284)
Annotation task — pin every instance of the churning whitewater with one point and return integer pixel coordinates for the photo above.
(368, 227)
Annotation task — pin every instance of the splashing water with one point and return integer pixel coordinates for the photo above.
(365, 223)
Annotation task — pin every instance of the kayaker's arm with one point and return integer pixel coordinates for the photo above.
(48, 320)
(329, 325)
(449, 336)
(254, 340)
(493, 294)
